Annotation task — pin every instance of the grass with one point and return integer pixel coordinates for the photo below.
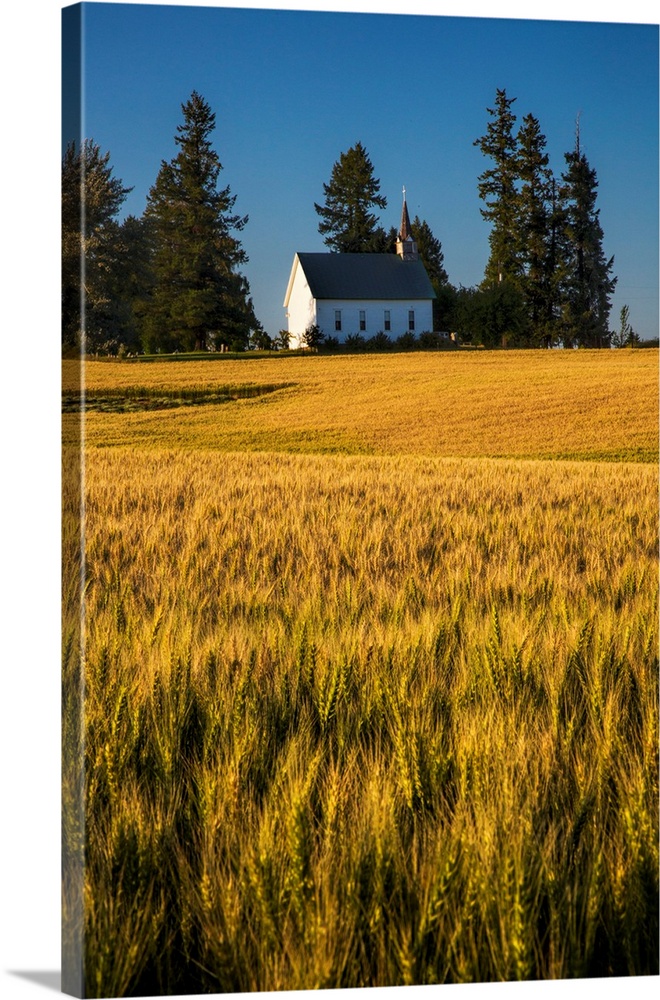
(366, 719)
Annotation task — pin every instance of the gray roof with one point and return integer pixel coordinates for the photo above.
(365, 276)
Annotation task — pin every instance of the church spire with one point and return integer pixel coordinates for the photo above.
(406, 247)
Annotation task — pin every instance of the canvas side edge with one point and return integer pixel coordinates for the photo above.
(73, 571)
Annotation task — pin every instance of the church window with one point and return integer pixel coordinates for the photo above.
(337, 319)
(387, 323)
(411, 319)
(363, 320)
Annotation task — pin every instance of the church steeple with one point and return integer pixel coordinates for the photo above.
(406, 247)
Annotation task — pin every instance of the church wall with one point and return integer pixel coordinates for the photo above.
(374, 311)
(301, 311)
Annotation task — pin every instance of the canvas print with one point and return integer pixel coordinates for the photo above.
(360, 442)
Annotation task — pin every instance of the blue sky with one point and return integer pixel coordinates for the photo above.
(293, 89)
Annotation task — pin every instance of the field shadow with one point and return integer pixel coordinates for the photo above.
(141, 398)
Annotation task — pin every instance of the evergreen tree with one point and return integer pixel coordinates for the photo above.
(197, 292)
(130, 281)
(384, 240)
(536, 238)
(432, 257)
(313, 336)
(625, 336)
(91, 199)
(589, 284)
(620, 337)
(347, 219)
(490, 315)
(260, 340)
(557, 264)
(497, 188)
(430, 251)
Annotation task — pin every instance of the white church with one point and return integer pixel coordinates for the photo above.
(360, 293)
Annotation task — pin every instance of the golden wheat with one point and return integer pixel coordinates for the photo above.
(365, 720)
(526, 404)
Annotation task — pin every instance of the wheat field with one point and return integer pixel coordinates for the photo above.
(595, 405)
(370, 672)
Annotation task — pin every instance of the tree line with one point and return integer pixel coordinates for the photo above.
(171, 280)
(168, 281)
(547, 280)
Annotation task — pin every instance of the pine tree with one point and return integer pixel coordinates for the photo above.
(347, 219)
(433, 259)
(536, 251)
(619, 338)
(130, 280)
(384, 240)
(430, 251)
(589, 284)
(497, 188)
(91, 199)
(625, 336)
(197, 290)
(557, 266)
